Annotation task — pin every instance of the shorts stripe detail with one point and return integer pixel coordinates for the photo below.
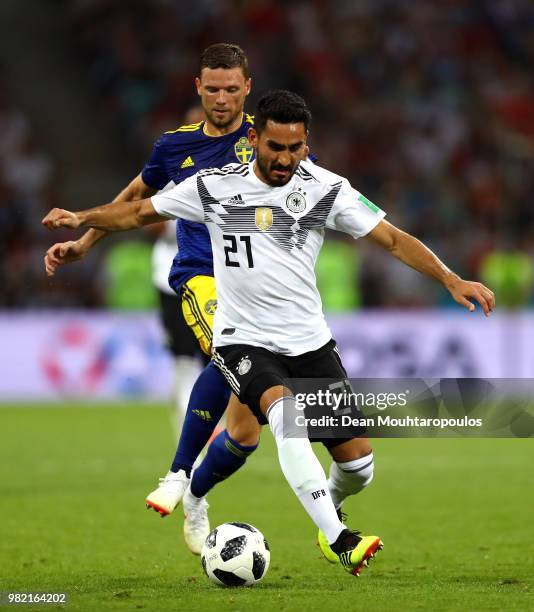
(196, 310)
(232, 381)
(198, 320)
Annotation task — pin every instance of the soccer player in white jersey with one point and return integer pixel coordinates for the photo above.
(266, 221)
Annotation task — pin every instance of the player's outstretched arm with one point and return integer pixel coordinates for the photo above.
(415, 254)
(63, 253)
(113, 217)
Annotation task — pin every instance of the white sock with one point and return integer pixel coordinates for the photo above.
(349, 477)
(304, 474)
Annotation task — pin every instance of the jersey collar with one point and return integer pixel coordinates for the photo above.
(243, 118)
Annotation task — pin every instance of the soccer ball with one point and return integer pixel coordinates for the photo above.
(235, 554)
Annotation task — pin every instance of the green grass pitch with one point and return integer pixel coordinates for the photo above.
(456, 517)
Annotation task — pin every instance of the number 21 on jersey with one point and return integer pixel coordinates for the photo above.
(232, 248)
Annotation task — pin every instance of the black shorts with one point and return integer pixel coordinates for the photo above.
(180, 339)
(251, 370)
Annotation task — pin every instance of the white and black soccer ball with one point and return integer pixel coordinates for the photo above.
(235, 554)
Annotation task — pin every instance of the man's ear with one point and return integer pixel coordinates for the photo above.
(253, 137)
(197, 85)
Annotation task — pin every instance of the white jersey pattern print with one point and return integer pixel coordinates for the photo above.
(265, 242)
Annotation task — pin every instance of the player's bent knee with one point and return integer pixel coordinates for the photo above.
(241, 424)
(272, 390)
(246, 433)
(349, 450)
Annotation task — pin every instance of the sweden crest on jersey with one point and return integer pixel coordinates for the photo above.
(264, 218)
(243, 150)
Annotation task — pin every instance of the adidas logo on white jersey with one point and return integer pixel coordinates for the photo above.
(236, 200)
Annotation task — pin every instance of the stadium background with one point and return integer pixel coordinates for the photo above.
(429, 111)
(427, 107)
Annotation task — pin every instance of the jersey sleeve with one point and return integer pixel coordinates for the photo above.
(154, 174)
(181, 201)
(353, 213)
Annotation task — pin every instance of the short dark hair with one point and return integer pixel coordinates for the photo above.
(224, 55)
(281, 106)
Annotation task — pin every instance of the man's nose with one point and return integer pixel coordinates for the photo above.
(284, 158)
(221, 97)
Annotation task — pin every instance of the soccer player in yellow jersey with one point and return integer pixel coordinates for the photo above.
(223, 84)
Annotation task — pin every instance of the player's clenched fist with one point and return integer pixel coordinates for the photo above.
(58, 217)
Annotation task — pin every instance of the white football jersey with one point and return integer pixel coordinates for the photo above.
(265, 243)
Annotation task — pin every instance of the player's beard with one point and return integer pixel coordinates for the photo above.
(266, 169)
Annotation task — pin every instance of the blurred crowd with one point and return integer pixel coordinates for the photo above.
(27, 190)
(427, 107)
